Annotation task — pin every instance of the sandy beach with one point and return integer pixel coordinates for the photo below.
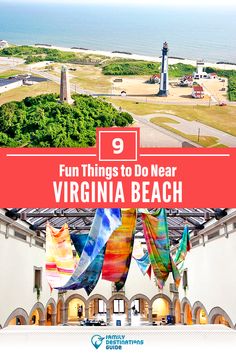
(140, 57)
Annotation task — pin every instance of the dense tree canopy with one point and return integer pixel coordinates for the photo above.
(44, 122)
(132, 67)
(136, 67)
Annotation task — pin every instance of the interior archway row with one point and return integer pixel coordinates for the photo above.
(39, 314)
(57, 313)
(188, 314)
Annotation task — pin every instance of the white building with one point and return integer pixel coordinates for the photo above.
(10, 84)
(18, 81)
(209, 283)
(200, 72)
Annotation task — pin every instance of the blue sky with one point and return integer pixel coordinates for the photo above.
(202, 3)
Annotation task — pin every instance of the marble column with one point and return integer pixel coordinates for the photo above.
(129, 317)
(65, 317)
(54, 319)
(108, 315)
(86, 312)
(150, 315)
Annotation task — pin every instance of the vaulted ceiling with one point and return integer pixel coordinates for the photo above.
(80, 220)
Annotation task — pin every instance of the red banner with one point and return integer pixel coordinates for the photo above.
(118, 173)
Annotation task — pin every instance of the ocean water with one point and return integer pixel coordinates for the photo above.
(208, 34)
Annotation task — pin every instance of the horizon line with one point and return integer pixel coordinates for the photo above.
(132, 3)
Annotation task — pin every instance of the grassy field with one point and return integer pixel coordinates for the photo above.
(205, 141)
(222, 118)
(7, 73)
(36, 54)
(20, 93)
(137, 67)
(91, 78)
(163, 120)
(133, 67)
(88, 77)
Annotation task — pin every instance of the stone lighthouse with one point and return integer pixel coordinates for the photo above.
(65, 86)
(164, 82)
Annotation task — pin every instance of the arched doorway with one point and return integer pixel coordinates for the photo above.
(219, 319)
(199, 313)
(36, 317)
(59, 312)
(119, 309)
(17, 317)
(16, 321)
(188, 320)
(177, 309)
(50, 314)
(219, 316)
(139, 307)
(160, 309)
(98, 308)
(76, 310)
(201, 316)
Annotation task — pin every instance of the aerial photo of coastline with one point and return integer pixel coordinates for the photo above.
(69, 67)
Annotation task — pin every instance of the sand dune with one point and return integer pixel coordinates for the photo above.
(141, 57)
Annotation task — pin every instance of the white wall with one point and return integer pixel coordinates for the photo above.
(17, 261)
(11, 86)
(212, 270)
(103, 287)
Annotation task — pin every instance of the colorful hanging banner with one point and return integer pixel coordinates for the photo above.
(158, 244)
(119, 250)
(60, 263)
(88, 280)
(184, 247)
(104, 223)
(143, 263)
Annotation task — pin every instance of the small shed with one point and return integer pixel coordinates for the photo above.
(198, 91)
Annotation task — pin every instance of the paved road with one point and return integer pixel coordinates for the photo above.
(192, 128)
(11, 61)
(152, 135)
(187, 127)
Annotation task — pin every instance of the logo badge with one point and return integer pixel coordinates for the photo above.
(97, 341)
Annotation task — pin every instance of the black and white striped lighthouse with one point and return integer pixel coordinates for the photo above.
(164, 82)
